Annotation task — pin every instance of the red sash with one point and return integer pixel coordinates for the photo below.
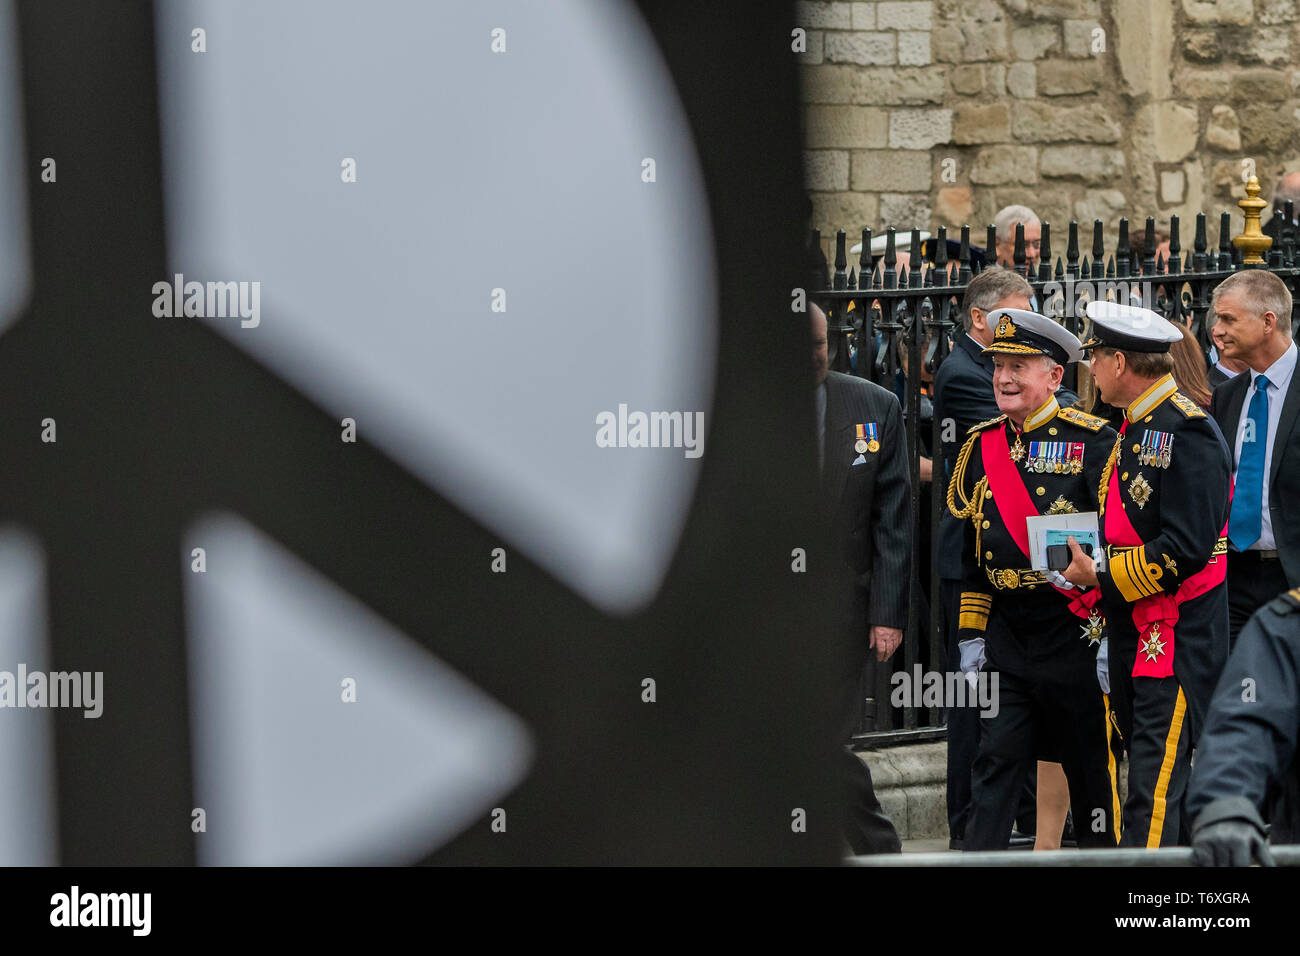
(1160, 611)
(1015, 505)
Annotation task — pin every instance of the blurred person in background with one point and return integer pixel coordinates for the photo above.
(1005, 222)
(1189, 367)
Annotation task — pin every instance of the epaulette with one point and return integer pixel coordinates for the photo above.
(1287, 603)
(983, 425)
(1188, 407)
(1093, 423)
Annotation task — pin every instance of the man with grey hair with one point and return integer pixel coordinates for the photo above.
(963, 396)
(1033, 459)
(1005, 222)
(1257, 413)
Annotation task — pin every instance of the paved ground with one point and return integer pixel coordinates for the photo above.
(925, 846)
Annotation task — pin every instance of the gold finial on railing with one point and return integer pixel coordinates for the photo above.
(1252, 242)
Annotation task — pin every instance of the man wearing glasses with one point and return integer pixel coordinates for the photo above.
(1005, 222)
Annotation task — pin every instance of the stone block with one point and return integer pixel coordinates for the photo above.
(1272, 12)
(995, 78)
(914, 48)
(844, 210)
(947, 43)
(1203, 84)
(968, 79)
(1173, 186)
(833, 16)
(1268, 45)
(1021, 80)
(864, 16)
(905, 211)
(919, 129)
(1078, 36)
(1104, 204)
(1092, 164)
(904, 15)
(1143, 47)
(826, 170)
(1225, 175)
(850, 127)
(910, 86)
(1224, 129)
(982, 31)
(892, 170)
(1219, 11)
(1056, 10)
(1068, 77)
(998, 165)
(953, 206)
(1266, 130)
(1170, 128)
(1036, 42)
(1038, 122)
(1253, 86)
(862, 48)
(981, 123)
(1202, 46)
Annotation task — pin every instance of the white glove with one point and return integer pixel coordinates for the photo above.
(1103, 665)
(1055, 577)
(972, 654)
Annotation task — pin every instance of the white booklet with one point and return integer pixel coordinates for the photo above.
(1056, 529)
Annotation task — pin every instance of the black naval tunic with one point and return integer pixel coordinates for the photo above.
(1173, 473)
(1246, 760)
(1050, 705)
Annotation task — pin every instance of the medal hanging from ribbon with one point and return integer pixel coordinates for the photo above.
(1055, 457)
(868, 438)
(1156, 449)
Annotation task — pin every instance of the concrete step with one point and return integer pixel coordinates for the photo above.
(911, 784)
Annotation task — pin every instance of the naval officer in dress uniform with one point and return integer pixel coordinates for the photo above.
(1039, 636)
(1164, 511)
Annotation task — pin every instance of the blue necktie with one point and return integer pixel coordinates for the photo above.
(1248, 499)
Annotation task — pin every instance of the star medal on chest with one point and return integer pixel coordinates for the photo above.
(1156, 449)
(868, 438)
(1062, 507)
(1092, 629)
(1152, 647)
(1139, 489)
(1055, 457)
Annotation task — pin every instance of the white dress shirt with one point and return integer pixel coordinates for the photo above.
(1279, 380)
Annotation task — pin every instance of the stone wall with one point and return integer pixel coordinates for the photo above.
(940, 112)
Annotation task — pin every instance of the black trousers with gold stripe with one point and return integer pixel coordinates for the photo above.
(1050, 708)
(1152, 716)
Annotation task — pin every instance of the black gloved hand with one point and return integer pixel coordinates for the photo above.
(1229, 832)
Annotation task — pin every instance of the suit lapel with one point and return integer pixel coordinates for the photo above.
(1290, 409)
(1236, 396)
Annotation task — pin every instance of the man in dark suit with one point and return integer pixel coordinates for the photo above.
(1246, 769)
(1258, 413)
(866, 489)
(963, 395)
